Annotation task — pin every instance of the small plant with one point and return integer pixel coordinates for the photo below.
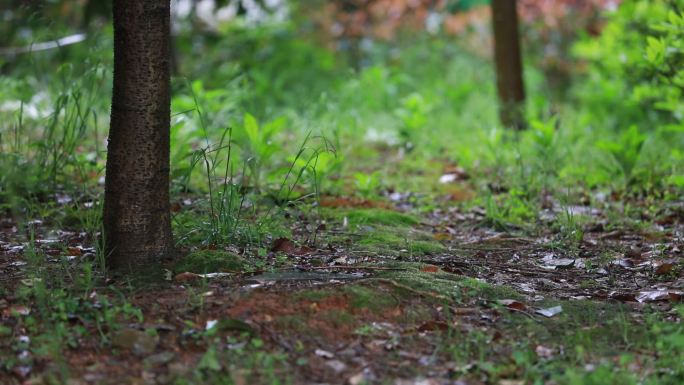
(508, 211)
(315, 163)
(366, 184)
(571, 228)
(549, 153)
(625, 151)
(225, 199)
(256, 142)
(413, 113)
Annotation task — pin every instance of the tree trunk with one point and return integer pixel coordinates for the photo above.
(137, 218)
(509, 71)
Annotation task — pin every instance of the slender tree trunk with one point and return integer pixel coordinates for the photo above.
(509, 71)
(137, 223)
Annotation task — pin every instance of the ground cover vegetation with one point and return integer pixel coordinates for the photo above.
(346, 205)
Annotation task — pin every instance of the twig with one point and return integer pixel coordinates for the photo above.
(523, 312)
(351, 268)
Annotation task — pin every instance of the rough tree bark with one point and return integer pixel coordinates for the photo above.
(137, 219)
(509, 70)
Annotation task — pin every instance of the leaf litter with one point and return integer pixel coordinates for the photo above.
(320, 315)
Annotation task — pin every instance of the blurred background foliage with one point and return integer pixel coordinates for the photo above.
(604, 80)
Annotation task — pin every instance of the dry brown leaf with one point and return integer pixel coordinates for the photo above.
(429, 269)
(513, 304)
(186, 277)
(287, 246)
(664, 268)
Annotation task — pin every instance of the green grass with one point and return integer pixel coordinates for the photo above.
(360, 217)
(210, 261)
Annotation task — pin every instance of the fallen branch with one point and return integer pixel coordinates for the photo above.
(44, 46)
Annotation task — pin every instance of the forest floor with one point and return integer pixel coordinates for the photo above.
(363, 292)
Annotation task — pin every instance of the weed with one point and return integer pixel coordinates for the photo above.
(413, 115)
(257, 144)
(625, 152)
(571, 228)
(366, 184)
(509, 211)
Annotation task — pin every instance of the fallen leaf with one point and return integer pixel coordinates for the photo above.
(337, 366)
(513, 304)
(551, 262)
(453, 173)
(324, 353)
(176, 207)
(214, 275)
(544, 352)
(626, 263)
(432, 326)
(550, 311)
(659, 295)
(17, 310)
(442, 236)
(287, 246)
(448, 178)
(624, 297)
(30, 281)
(664, 268)
(75, 251)
(186, 277)
(429, 269)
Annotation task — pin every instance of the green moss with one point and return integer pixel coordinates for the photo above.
(425, 248)
(446, 284)
(389, 241)
(338, 317)
(371, 299)
(210, 261)
(377, 217)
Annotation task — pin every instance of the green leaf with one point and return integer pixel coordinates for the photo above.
(209, 360)
(251, 127)
(655, 51)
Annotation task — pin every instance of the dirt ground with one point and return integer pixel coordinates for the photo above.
(328, 313)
